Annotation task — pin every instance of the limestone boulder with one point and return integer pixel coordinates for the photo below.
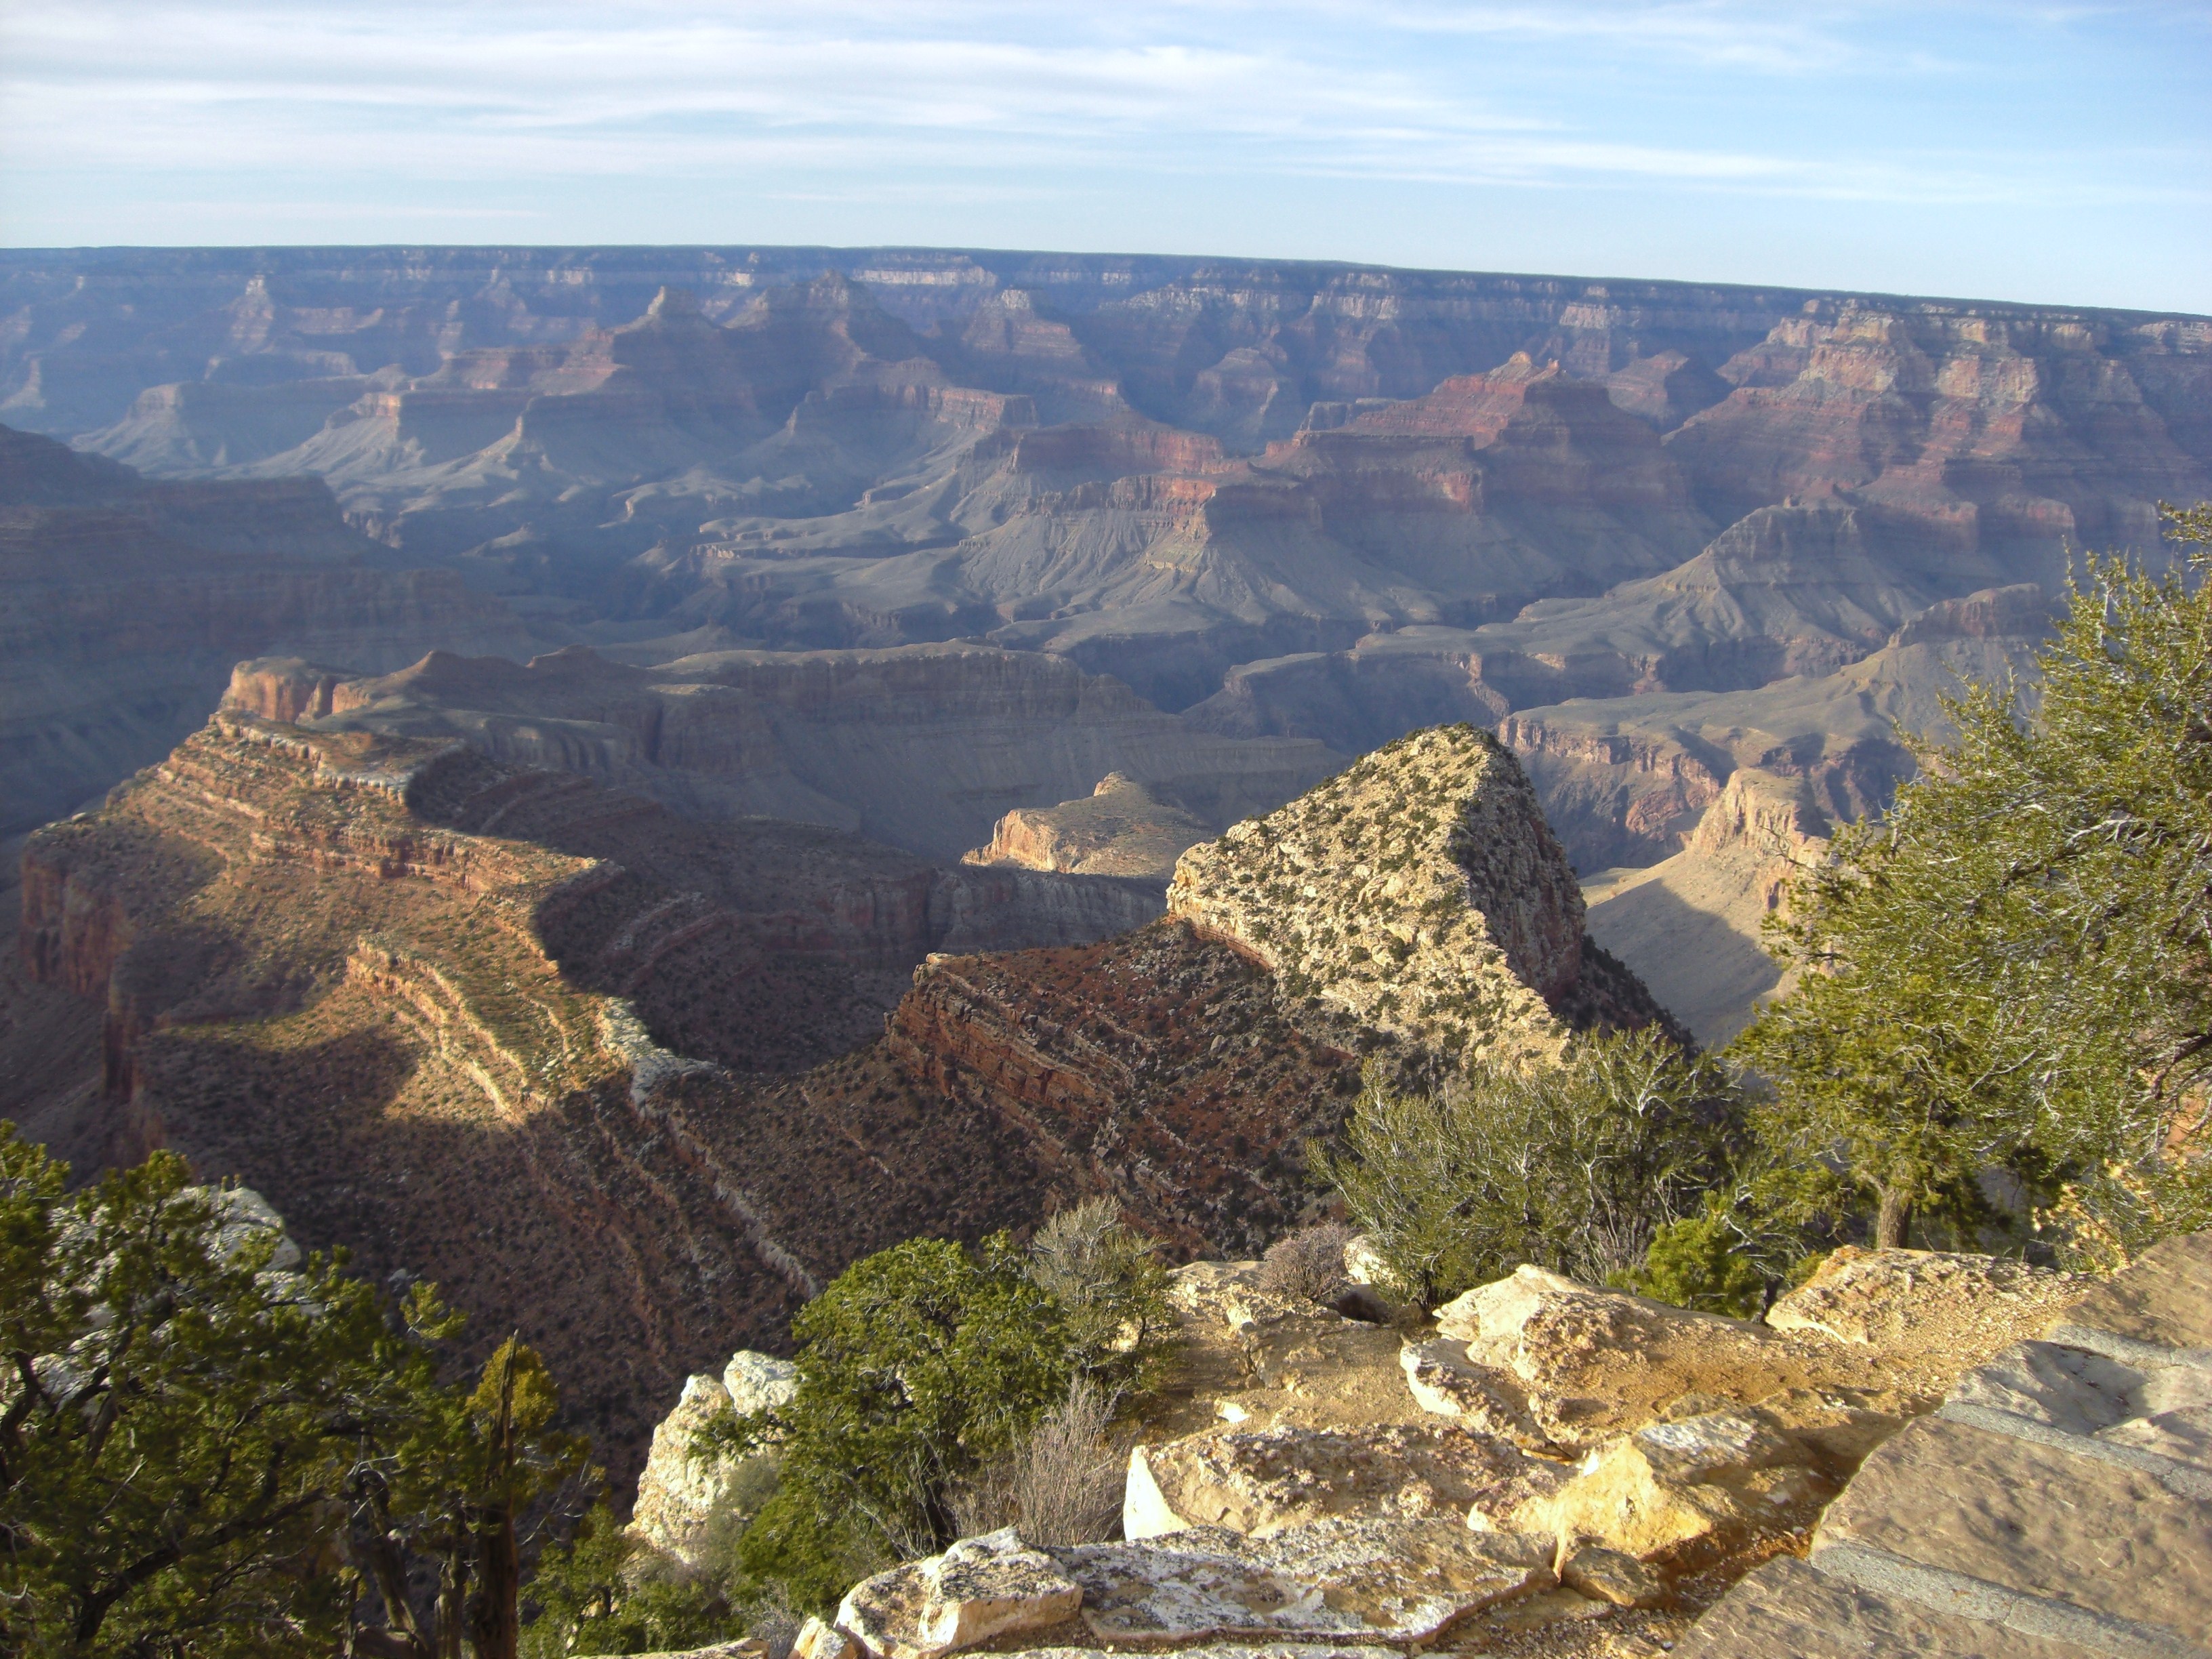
(1445, 1380)
(1393, 1582)
(819, 1639)
(1607, 1575)
(243, 1216)
(1881, 1297)
(679, 1492)
(1229, 1296)
(1687, 1491)
(758, 1382)
(981, 1589)
(681, 1495)
(1263, 1481)
(1579, 1363)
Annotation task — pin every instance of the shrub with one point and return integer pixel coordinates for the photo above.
(2009, 971)
(1061, 1483)
(1700, 1262)
(203, 1455)
(1308, 1264)
(922, 1371)
(1574, 1166)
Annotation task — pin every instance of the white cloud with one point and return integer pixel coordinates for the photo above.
(836, 96)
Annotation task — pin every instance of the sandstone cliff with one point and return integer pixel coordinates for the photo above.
(499, 1029)
(1690, 926)
(1120, 829)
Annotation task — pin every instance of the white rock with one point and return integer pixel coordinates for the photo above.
(982, 1587)
(1363, 1263)
(756, 1382)
(1444, 1379)
(1399, 1582)
(242, 1216)
(817, 1640)
(679, 1494)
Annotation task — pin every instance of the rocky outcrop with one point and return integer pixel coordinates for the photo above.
(124, 603)
(1120, 829)
(1317, 1511)
(683, 1496)
(1419, 893)
(1690, 926)
(921, 747)
(2059, 1502)
(495, 1029)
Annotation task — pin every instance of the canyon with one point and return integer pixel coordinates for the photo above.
(627, 1081)
(625, 779)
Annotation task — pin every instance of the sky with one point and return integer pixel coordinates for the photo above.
(2057, 153)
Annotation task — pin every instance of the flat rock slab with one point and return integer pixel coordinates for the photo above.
(1877, 1296)
(1385, 1580)
(1265, 1480)
(2032, 1519)
(1788, 1608)
(980, 1588)
(2164, 1298)
(1227, 1650)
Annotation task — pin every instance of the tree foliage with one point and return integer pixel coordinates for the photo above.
(1572, 1165)
(2012, 971)
(201, 1454)
(921, 1368)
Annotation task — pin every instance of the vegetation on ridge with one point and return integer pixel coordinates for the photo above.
(924, 1373)
(1572, 1165)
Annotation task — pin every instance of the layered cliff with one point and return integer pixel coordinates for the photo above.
(1691, 926)
(925, 747)
(124, 604)
(1120, 829)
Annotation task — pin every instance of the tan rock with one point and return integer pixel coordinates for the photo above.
(2163, 1299)
(1586, 1360)
(1264, 1481)
(1398, 1582)
(679, 1494)
(1687, 1491)
(1444, 1379)
(1877, 1296)
(1229, 1294)
(981, 1589)
(819, 1640)
(1786, 1607)
(1120, 829)
(2031, 1517)
(758, 1382)
(1605, 1575)
(1419, 891)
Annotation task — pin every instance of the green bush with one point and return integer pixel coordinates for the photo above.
(1700, 1261)
(1573, 1166)
(203, 1456)
(921, 1368)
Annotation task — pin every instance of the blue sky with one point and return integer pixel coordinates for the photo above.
(2058, 153)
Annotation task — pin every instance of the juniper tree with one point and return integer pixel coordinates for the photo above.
(2011, 970)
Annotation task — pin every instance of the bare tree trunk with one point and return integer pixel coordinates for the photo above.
(1892, 1216)
(452, 1613)
(497, 1622)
